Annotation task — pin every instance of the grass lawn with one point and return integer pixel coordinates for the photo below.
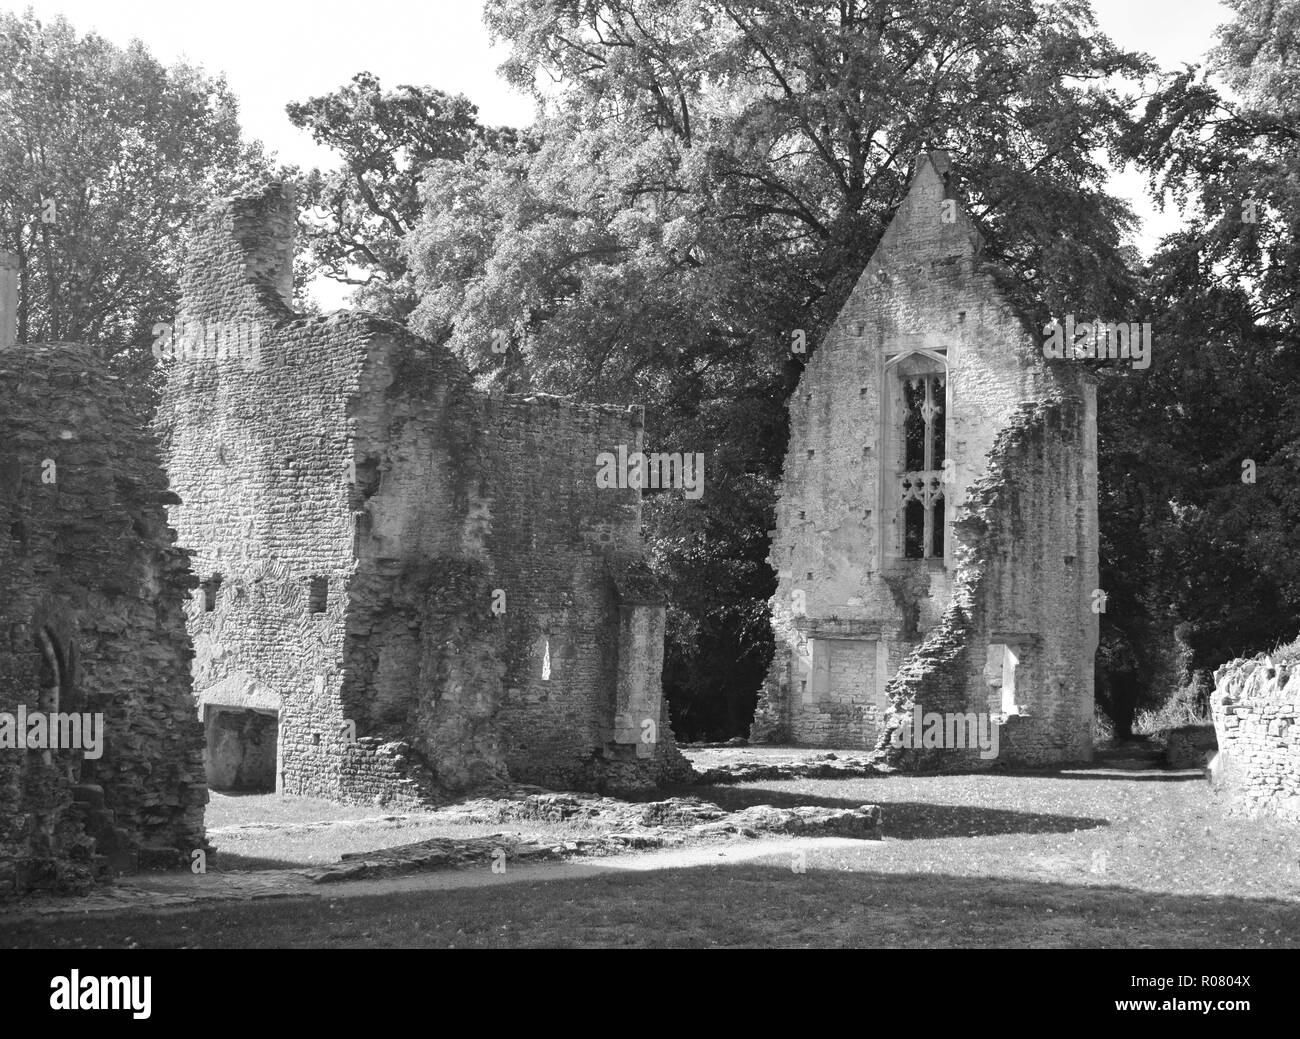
(834, 904)
(1069, 859)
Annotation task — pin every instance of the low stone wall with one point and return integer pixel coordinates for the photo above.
(1255, 707)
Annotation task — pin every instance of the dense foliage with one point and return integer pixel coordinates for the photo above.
(104, 157)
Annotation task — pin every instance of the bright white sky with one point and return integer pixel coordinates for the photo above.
(276, 52)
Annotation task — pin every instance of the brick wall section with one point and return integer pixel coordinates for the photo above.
(353, 451)
(422, 669)
(560, 545)
(89, 560)
(1256, 709)
(239, 261)
(924, 296)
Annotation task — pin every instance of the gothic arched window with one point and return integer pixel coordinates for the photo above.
(918, 433)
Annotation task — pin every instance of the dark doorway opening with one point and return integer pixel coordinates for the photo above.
(241, 749)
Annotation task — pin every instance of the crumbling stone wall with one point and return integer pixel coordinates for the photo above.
(390, 554)
(851, 609)
(1256, 709)
(585, 604)
(1024, 556)
(91, 595)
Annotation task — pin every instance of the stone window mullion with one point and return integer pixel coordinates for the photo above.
(920, 492)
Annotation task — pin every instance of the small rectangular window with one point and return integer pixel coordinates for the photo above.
(821, 675)
(914, 530)
(318, 594)
(210, 588)
(807, 683)
(1000, 673)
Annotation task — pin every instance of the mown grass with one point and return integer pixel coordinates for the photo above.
(1076, 858)
(833, 904)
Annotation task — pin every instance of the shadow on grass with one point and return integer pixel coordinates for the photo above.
(234, 794)
(1082, 770)
(751, 904)
(912, 820)
(225, 861)
(1148, 776)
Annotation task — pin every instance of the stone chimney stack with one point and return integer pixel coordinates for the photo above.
(265, 227)
(8, 300)
(240, 262)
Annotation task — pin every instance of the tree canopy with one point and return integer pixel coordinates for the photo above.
(359, 212)
(104, 157)
(710, 177)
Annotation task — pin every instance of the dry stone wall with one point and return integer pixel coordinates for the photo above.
(1256, 709)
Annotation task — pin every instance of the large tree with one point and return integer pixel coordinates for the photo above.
(1203, 468)
(357, 214)
(104, 155)
(711, 177)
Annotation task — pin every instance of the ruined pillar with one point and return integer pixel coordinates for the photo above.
(8, 300)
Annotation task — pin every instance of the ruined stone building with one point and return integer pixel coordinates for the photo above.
(936, 534)
(409, 587)
(101, 765)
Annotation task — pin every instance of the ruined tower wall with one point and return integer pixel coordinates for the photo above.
(1026, 571)
(90, 622)
(257, 449)
(561, 546)
(422, 646)
(362, 502)
(239, 261)
(256, 423)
